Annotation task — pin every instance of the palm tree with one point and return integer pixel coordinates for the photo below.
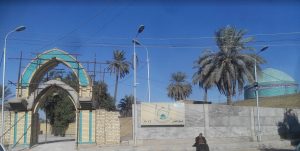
(119, 66)
(125, 106)
(199, 77)
(229, 67)
(179, 88)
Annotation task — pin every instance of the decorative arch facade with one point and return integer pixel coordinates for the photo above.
(30, 92)
(44, 62)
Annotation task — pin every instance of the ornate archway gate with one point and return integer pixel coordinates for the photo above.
(30, 92)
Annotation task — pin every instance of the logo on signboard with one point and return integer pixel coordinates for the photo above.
(162, 113)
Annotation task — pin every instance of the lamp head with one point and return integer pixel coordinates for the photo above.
(20, 28)
(264, 48)
(141, 29)
(136, 42)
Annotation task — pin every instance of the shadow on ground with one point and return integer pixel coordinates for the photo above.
(49, 142)
(273, 149)
(55, 141)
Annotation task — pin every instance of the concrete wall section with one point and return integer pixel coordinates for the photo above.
(194, 116)
(269, 117)
(228, 121)
(218, 121)
(168, 132)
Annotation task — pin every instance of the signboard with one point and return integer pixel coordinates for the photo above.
(162, 114)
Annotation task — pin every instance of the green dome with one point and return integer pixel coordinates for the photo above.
(271, 82)
(271, 75)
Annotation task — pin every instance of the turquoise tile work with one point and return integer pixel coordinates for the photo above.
(90, 127)
(272, 82)
(271, 89)
(60, 55)
(15, 128)
(80, 128)
(25, 128)
(89, 132)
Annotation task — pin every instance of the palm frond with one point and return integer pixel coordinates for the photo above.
(228, 68)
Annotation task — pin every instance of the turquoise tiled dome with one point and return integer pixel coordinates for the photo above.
(273, 75)
(272, 82)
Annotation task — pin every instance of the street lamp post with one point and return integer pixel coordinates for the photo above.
(256, 93)
(148, 76)
(134, 95)
(140, 30)
(148, 69)
(20, 28)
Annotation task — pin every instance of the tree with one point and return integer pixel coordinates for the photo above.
(59, 107)
(7, 92)
(49, 106)
(102, 97)
(72, 80)
(289, 128)
(200, 78)
(64, 113)
(60, 111)
(125, 106)
(179, 88)
(229, 67)
(119, 66)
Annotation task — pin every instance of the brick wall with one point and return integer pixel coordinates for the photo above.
(7, 126)
(71, 130)
(107, 127)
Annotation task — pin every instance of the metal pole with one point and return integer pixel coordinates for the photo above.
(140, 30)
(148, 77)
(94, 68)
(257, 105)
(20, 28)
(19, 75)
(148, 68)
(77, 111)
(46, 126)
(77, 127)
(3, 87)
(103, 76)
(134, 95)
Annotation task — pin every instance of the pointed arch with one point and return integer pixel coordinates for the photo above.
(44, 62)
(47, 88)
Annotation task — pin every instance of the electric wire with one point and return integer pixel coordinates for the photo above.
(74, 30)
(183, 38)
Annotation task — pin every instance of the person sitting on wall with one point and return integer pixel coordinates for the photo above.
(200, 143)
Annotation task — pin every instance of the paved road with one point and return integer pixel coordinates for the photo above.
(69, 144)
(53, 143)
(51, 139)
(57, 146)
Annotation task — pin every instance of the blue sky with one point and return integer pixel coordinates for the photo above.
(175, 34)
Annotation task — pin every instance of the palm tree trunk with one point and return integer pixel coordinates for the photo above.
(205, 95)
(229, 94)
(116, 85)
(229, 99)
